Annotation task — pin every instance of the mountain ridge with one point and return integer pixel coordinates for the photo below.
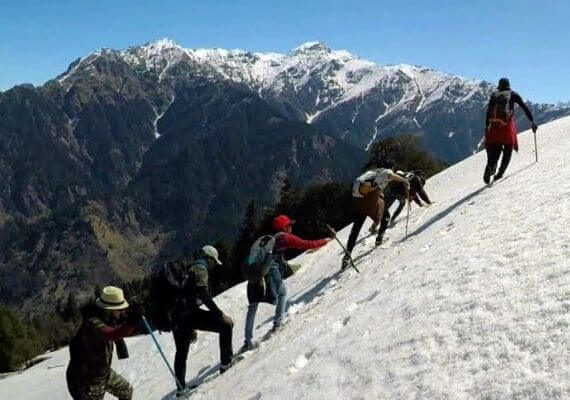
(352, 98)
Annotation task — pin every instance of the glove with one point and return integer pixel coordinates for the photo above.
(135, 314)
(294, 267)
(332, 233)
(533, 126)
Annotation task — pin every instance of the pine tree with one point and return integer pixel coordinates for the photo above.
(286, 188)
(405, 151)
(70, 310)
(248, 234)
(19, 342)
(97, 290)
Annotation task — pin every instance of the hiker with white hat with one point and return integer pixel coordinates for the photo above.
(89, 374)
(188, 316)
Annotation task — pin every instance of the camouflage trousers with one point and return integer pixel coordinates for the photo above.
(95, 390)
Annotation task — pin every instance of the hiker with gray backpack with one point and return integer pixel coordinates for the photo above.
(262, 269)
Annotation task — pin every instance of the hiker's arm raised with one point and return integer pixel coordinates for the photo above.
(294, 242)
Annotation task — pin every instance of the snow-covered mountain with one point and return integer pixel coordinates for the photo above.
(350, 97)
(473, 304)
(165, 142)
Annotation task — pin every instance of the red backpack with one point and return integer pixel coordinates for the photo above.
(501, 113)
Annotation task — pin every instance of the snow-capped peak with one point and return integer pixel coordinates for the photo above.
(163, 43)
(319, 77)
(318, 46)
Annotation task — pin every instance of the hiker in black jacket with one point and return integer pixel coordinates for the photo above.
(500, 128)
(417, 192)
(191, 317)
(396, 191)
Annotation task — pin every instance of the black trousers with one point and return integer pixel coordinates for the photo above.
(357, 222)
(418, 192)
(383, 223)
(201, 320)
(493, 153)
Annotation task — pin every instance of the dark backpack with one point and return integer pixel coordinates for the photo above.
(168, 294)
(501, 112)
(259, 258)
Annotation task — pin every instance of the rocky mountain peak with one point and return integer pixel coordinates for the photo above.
(311, 47)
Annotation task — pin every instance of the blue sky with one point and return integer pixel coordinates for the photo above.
(528, 41)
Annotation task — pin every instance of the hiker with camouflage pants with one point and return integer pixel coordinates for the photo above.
(89, 374)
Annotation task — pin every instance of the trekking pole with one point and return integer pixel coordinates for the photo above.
(535, 147)
(149, 329)
(408, 216)
(343, 248)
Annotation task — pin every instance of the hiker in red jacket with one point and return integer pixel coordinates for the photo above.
(500, 128)
(272, 288)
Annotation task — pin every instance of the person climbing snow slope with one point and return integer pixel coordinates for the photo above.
(500, 128)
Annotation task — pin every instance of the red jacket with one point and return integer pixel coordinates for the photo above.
(502, 135)
(286, 241)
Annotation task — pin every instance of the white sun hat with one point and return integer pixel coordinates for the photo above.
(112, 298)
(211, 251)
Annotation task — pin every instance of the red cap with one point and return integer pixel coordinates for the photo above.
(281, 222)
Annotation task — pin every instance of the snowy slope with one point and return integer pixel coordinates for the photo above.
(474, 304)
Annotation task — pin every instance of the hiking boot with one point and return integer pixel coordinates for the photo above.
(345, 262)
(225, 367)
(498, 176)
(248, 346)
(488, 173)
(379, 240)
(277, 326)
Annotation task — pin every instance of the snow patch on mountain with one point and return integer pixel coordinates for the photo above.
(159, 116)
(386, 111)
(80, 63)
(157, 56)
